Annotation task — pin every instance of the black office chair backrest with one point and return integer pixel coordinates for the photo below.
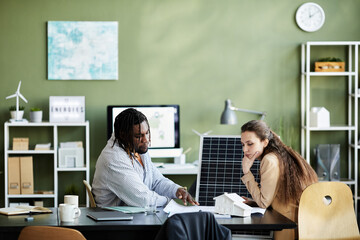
(193, 226)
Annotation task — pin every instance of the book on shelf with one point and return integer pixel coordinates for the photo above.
(43, 146)
(44, 192)
(22, 209)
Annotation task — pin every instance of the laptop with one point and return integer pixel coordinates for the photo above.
(109, 216)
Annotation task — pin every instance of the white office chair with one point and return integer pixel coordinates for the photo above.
(326, 211)
(91, 196)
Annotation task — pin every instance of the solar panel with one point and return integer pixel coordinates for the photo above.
(221, 169)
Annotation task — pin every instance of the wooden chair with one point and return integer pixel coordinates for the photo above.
(88, 190)
(49, 233)
(326, 211)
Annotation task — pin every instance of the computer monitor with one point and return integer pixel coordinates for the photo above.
(163, 120)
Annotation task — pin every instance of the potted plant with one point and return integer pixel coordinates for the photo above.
(13, 112)
(36, 115)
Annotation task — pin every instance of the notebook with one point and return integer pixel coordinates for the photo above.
(109, 216)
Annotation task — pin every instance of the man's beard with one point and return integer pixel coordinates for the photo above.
(141, 150)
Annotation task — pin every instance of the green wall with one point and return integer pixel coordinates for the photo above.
(195, 53)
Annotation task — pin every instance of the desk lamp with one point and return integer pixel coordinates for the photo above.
(228, 116)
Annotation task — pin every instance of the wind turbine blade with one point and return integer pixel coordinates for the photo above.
(11, 96)
(18, 89)
(22, 97)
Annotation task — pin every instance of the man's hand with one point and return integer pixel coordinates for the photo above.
(183, 194)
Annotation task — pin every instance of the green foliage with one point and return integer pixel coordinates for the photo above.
(330, 59)
(72, 190)
(286, 131)
(13, 108)
(35, 109)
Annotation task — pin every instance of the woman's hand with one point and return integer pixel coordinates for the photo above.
(185, 196)
(248, 161)
(250, 202)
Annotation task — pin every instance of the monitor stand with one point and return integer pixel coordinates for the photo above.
(166, 153)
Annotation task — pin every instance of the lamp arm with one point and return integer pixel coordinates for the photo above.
(263, 114)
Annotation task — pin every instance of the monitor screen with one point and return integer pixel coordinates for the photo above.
(163, 120)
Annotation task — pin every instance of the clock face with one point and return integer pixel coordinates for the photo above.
(310, 17)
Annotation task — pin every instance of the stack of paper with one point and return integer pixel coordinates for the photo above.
(44, 146)
(77, 144)
(174, 208)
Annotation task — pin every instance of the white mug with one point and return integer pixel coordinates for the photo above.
(68, 212)
(72, 199)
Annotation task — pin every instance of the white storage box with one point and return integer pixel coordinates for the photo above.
(71, 157)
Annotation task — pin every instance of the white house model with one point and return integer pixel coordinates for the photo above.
(319, 117)
(232, 204)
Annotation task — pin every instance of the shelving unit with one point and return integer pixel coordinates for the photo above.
(53, 152)
(351, 126)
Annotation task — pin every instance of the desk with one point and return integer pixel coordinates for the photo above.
(141, 227)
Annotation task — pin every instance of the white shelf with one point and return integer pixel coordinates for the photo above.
(328, 74)
(54, 152)
(352, 95)
(32, 196)
(75, 169)
(331, 128)
(333, 43)
(45, 124)
(31, 152)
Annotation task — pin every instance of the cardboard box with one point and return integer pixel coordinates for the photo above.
(20, 143)
(13, 175)
(26, 175)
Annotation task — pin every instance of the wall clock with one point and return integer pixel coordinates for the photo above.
(310, 17)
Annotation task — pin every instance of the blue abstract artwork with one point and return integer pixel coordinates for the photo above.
(82, 50)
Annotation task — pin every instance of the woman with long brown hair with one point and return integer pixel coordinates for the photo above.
(284, 174)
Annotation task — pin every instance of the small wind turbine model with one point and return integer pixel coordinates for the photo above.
(17, 95)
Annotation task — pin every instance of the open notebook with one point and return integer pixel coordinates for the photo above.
(22, 209)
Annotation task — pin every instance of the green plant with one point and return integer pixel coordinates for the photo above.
(330, 59)
(35, 109)
(13, 108)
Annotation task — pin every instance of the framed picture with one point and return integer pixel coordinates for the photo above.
(82, 50)
(67, 109)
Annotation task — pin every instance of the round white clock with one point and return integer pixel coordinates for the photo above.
(310, 17)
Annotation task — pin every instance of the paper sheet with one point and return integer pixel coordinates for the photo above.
(258, 210)
(173, 208)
